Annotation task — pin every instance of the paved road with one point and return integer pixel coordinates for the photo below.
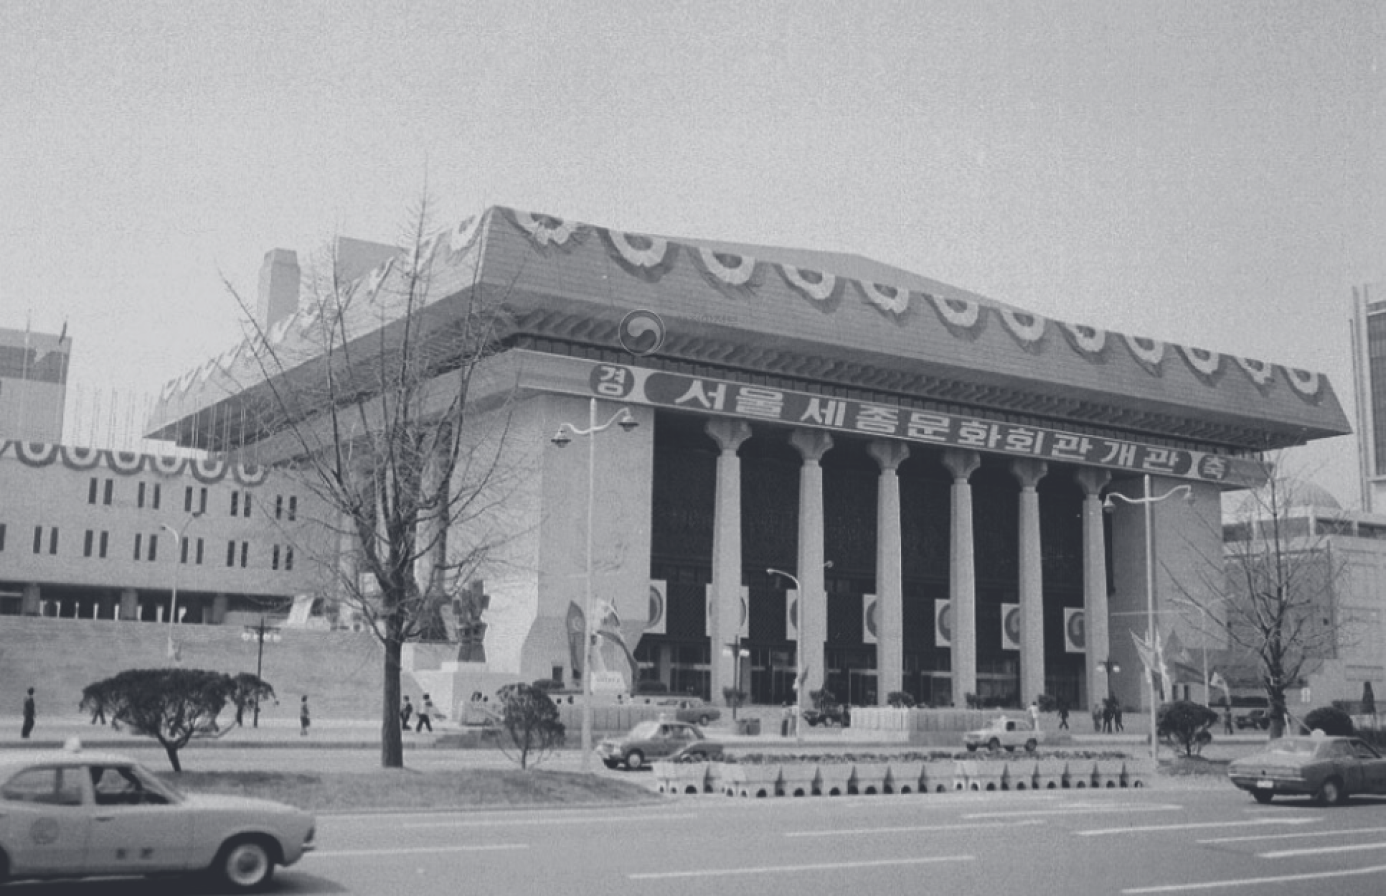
(1130, 842)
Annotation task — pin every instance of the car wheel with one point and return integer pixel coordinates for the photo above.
(704, 720)
(1030, 745)
(244, 864)
(1262, 796)
(1010, 748)
(635, 760)
(971, 748)
(610, 763)
(1332, 793)
(993, 745)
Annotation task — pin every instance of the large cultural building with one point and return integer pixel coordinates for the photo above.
(924, 469)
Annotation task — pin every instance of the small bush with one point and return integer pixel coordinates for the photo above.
(547, 685)
(1330, 720)
(1047, 703)
(1185, 724)
(900, 699)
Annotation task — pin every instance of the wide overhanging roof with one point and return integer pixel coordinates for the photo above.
(801, 315)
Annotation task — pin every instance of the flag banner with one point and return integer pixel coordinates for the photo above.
(1153, 658)
(1010, 626)
(1217, 681)
(943, 623)
(1075, 630)
(743, 630)
(870, 622)
(657, 623)
(791, 615)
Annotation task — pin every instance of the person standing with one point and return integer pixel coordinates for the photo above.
(1116, 718)
(303, 719)
(1034, 715)
(29, 713)
(426, 713)
(1063, 715)
(405, 712)
(1227, 718)
(1097, 717)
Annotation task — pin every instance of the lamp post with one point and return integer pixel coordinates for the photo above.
(627, 422)
(798, 653)
(259, 633)
(177, 562)
(1110, 667)
(1148, 502)
(737, 652)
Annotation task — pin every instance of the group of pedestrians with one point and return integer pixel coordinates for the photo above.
(1106, 716)
(426, 714)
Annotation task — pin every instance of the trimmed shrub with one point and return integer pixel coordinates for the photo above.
(1185, 724)
(1330, 720)
(900, 699)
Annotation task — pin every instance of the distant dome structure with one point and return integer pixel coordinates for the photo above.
(1295, 494)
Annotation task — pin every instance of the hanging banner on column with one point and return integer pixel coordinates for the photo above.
(1010, 626)
(744, 629)
(791, 615)
(657, 623)
(1075, 630)
(870, 622)
(943, 623)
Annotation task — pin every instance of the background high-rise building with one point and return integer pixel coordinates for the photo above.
(1369, 388)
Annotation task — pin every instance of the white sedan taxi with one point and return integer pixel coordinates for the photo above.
(71, 813)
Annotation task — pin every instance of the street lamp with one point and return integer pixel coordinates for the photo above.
(737, 652)
(798, 653)
(260, 634)
(627, 422)
(1148, 502)
(1111, 667)
(177, 562)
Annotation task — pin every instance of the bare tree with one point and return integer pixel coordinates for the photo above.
(367, 402)
(1270, 594)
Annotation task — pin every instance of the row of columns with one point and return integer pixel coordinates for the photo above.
(107, 605)
(812, 445)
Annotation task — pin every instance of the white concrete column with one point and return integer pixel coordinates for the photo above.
(890, 640)
(1092, 481)
(962, 575)
(726, 550)
(813, 598)
(1028, 473)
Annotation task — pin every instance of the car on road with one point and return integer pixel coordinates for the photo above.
(694, 710)
(654, 740)
(1256, 719)
(1004, 732)
(71, 813)
(1323, 767)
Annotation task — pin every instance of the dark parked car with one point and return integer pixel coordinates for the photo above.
(1326, 768)
(1257, 719)
(694, 710)
(653, 740)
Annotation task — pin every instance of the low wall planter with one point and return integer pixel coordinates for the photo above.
(1108, 772)
(938, 777)
(1082, 773)
(1020, 775)
(798, 779)
(870, 778)
(749, 780)
(676, 778)
(1138, 772)
(1049, 773)
(906, 776)
(834, 778)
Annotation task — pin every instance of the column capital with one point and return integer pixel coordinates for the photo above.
(811, 443)
(1092, 480)
(961, 463)
(1028, 472)
(727, 433)
(888, 454)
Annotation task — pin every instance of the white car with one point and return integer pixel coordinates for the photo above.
(72, 813)
(1004, 732)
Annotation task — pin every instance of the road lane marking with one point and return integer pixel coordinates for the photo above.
(1192, 826)
(1346, 831)
(1346, 847)
(1069, 810)
(1254, 881)
(411, 850)
(916, 829)
(522, 822)
(796, 869)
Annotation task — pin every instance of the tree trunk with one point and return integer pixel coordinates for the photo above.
(172, 750)
(391, 736)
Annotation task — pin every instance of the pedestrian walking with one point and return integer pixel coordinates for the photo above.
(1063, 715)
(303, 718)
(405, 712)
(1097, 717)
(1116, 717)
(29, 713)
(1227, 718)
(1108, 715)
(426, 714)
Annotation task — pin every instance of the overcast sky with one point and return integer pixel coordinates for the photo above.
(1208, 173)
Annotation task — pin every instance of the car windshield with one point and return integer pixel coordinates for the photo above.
(645, 730)
(119, 784)
(1295, 746)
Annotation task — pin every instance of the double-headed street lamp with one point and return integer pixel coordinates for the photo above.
(1111, 667)
(627, 422)
(177, 562)
(798, 652)
(1148, 502)
(260, 634)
